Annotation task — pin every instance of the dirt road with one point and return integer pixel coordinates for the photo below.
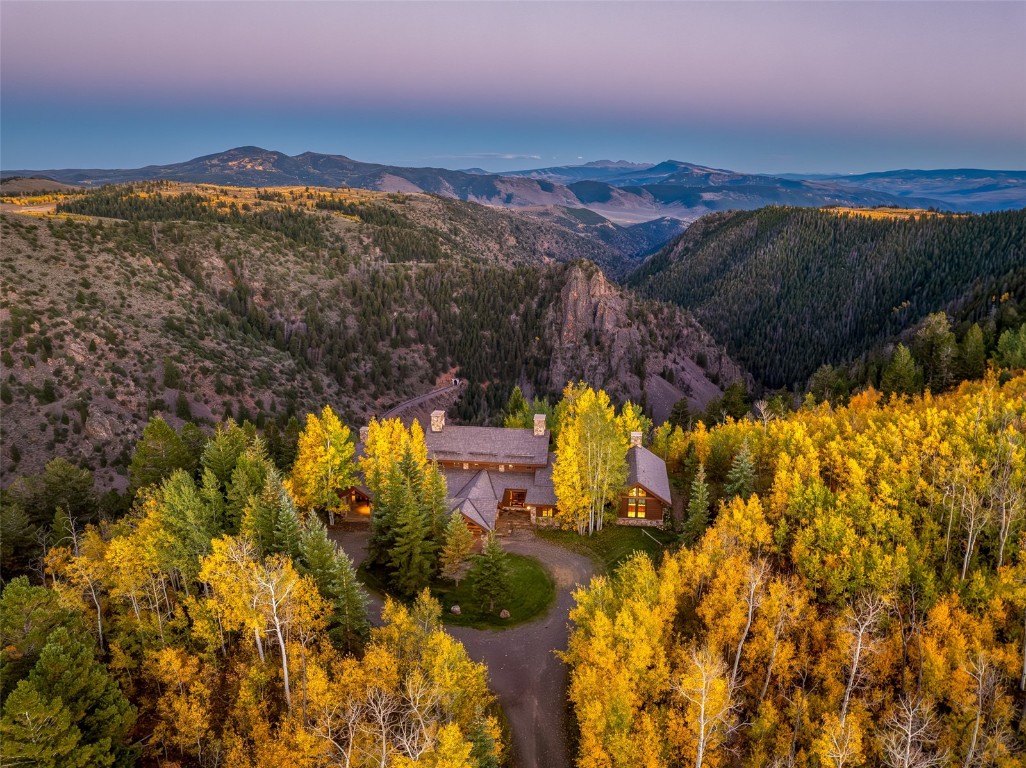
(524, 672)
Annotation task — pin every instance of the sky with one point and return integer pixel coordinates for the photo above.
(766, 87)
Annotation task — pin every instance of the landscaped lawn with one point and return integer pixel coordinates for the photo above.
(613, 544)
(531, 593)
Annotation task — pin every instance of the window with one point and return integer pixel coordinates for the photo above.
(636, 502)
(545, 511)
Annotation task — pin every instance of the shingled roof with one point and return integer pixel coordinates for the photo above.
(477, 493)
(646, 469)
(488, 445)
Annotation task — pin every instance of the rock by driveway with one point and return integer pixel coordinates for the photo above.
(525, 674)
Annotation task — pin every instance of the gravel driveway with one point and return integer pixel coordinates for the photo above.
(524, 672)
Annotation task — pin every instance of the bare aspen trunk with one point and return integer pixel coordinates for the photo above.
(284, 657)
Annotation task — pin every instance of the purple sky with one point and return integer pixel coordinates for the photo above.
(771, 87)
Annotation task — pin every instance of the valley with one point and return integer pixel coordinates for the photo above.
(204, 302)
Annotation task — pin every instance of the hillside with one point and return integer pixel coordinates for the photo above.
(963, 189)
(624, 193)
(217, 301)
(789, 289)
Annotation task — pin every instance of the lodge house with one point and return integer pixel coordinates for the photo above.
(501, 479)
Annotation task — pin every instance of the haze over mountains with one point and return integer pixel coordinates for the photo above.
(620, 191)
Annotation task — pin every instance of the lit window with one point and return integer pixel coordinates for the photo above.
(636, 502)
(546, 511)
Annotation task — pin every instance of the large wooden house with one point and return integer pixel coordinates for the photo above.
(501, 478)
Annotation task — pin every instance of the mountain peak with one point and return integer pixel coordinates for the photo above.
(615, 164)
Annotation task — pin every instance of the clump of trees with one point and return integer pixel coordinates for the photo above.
(858, 597)
(410, 517)
(217, 623)
(590, 470)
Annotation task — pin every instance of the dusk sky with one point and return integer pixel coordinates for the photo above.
(759, 87)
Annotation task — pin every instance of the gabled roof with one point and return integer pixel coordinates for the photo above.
(483, 516)
(488, 445)
(648, 470)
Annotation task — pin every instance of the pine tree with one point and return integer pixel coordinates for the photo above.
(698, 509)
(333, 572)
(350, 625)
(38, 731)
(260, 516)
(70, 691)
(28, 616)
(287, 527)
(973, 353)
(159, 453)
(458, 543)
(434, 493)
(222, 451)
(902, 376)
(680, 414)
(741, 477)
(410, 555)
(490, 573)
(384, 516)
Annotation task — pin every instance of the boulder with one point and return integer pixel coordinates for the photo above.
(455, 610)
(503, 614)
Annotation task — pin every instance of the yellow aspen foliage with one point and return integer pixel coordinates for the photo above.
(387, 443)
(184, 707)
(324, 465)
(451, 750)
(868, 599)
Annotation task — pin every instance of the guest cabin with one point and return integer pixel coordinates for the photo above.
(500, 478)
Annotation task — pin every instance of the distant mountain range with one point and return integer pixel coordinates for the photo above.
(620, 191)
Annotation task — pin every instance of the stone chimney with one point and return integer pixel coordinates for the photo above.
(539, 424)
(437, 421)
(635, 439)
(364, 434)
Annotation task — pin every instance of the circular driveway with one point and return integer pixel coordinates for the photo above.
(525, 674)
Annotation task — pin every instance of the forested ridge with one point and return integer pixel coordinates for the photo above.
(859, 598)
(788, 289)
(207, 302)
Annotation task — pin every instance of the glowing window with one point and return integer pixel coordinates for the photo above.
(636, 502)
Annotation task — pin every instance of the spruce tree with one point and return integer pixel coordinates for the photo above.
(333, 572)
(698, 509)
(384, 515)
(248, 478)
(287, 527)
(490, 573)
(458, 543)
(433, 496)
(350, 622)
(260, 516)
(973, 354)
(410, 555)
(902, 376)
(159, 453)
(741, 477)
(222, 451)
